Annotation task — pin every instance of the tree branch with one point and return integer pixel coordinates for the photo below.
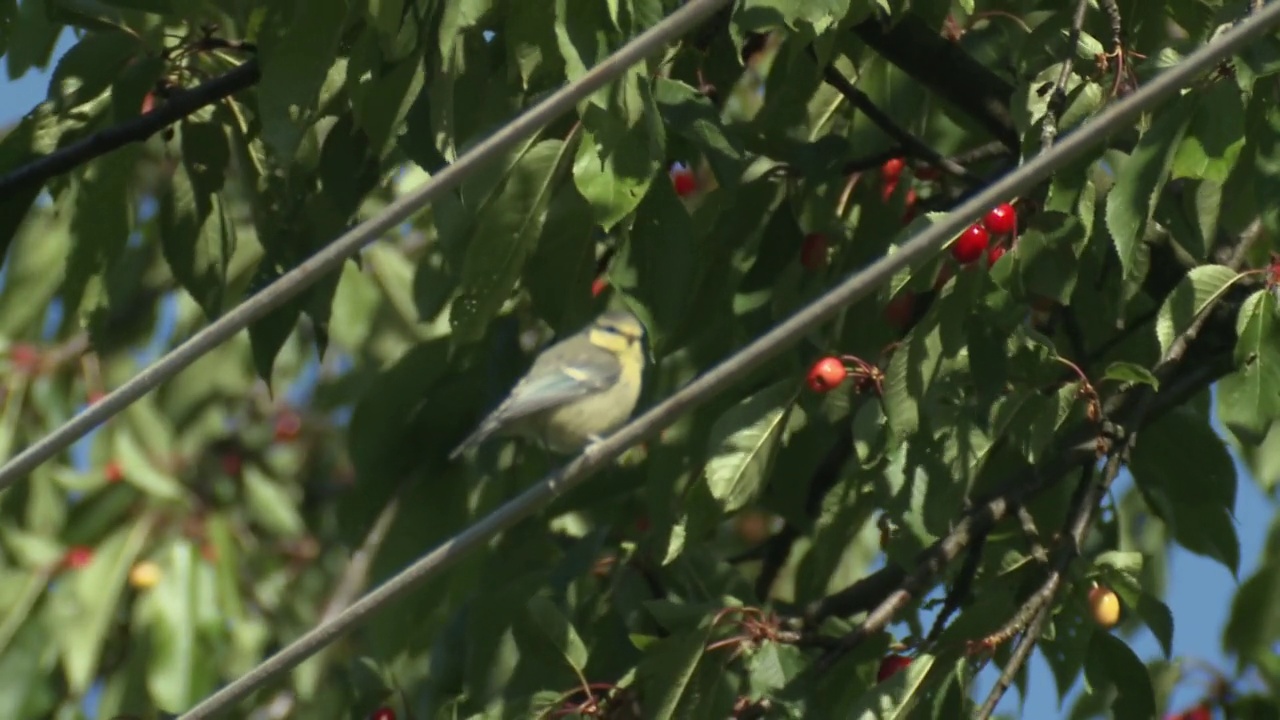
(178, 106)
(913, 146)
(947, 70)
(1058, 98)
(1078, 447)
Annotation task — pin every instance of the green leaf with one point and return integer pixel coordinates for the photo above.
(1188, 478)
(197, 234)
(82, 611)
(743, 443)
(1112, 664)
(170, 612)
(556, 627)
(894, 698)
(100, 227)
(505, 234)
(658, 267)
(1128, 372)
(532, 46)
(87, 14)
(28, 285)
(1249, 398)
(1048, 255)
(382, 103)
(348, 170)
(297, 49)
(621, 152)
(159, 7)
(1158, 618)
(90, 67)
(1142, 177)
(271, 505)
(665, 670)
(1126, 562)
(31, 550)
(584, 41)
(1201, 287)
(691, 115)
(1254, 623)
(141, 471)
(22, 676)
(559, 274)
(1216, 135)
(755, 15)
(31, 40)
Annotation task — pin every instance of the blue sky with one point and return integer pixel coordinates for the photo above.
(1200, 589)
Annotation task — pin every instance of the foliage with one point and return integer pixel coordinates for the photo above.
(710, 573)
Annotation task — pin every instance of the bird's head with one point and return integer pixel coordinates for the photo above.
(616, 331)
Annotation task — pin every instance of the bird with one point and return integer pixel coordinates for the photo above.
(576, 391)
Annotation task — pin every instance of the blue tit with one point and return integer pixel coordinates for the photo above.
(577, 391)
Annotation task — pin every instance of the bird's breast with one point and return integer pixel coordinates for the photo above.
(569, 427)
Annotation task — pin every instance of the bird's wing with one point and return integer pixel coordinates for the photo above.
(557, 379)
(558, 376)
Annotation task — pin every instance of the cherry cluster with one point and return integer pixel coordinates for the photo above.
(1000, 221)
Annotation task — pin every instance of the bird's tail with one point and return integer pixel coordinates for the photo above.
(480, 434)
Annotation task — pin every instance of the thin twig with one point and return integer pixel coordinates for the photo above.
(916, 47)
(1021, 653)
(1079, 447)
(1029, 531)
(960, 589)
(1080, 520)
(910, 143)
(987, 151)
(1037, 608)
(1058, 96)
(178, 106)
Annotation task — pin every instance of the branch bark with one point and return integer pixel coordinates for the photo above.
(178, 106)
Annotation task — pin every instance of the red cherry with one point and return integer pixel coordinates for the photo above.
(77, 557)
(900, 310)
(969, 246)
(25, 357)
(886, 191)
(909, 213)
(1199, 712)
(598, 286)
(996, 253)
(891, 665)
(813, 253)
(383, 713)
(113, 471)
(892, 170)
(685, 183)
(826, 375)
(1001, 219)
(288, 426)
